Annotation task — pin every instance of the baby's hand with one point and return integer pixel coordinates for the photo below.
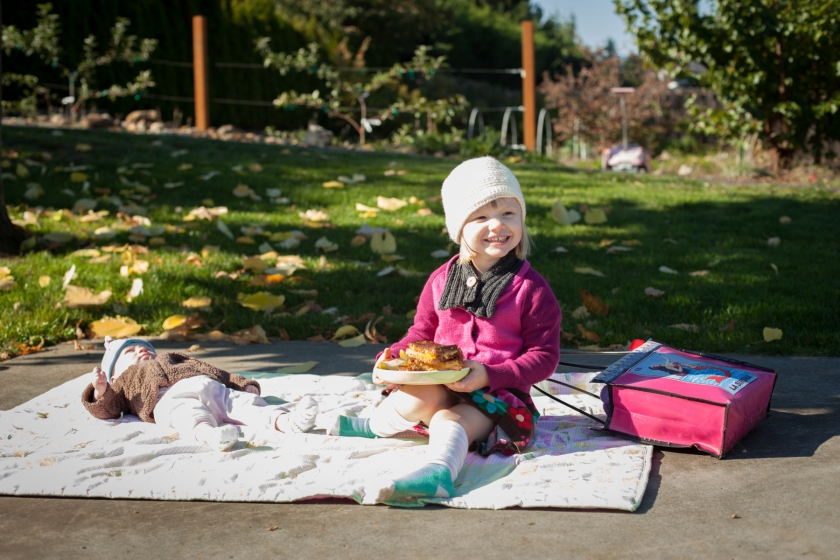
(386, 355)
(252, 389)
(476, 379)
(100, 383)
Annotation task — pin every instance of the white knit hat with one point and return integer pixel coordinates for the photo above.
(473, 184)
(113, 347)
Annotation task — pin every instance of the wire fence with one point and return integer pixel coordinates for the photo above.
(476, 111)
(260, 103)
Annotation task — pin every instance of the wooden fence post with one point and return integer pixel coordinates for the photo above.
(529, 84)
(200, 77)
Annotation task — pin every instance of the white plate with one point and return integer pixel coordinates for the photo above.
(398, 377)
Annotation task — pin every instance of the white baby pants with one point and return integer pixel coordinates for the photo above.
(192, 401)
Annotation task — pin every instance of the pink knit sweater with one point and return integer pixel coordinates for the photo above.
(519, 345)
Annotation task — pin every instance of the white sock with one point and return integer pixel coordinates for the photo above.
(219, 438)
(386, 421)
(448, 445)
(301, 419)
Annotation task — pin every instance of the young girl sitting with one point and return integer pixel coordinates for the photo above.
(191, 396)
(503, 316)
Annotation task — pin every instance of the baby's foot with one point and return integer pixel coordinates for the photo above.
(301, 419)
(430, 481)
(348, 426)
(221, 438)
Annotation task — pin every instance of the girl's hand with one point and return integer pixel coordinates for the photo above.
(252, 389)
(386, 355)
(476, 379)
(100, 383)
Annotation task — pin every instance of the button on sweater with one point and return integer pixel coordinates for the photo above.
(519, 345)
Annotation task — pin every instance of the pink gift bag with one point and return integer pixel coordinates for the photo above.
(674, 398)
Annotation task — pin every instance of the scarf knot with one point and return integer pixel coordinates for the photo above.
(476, 293)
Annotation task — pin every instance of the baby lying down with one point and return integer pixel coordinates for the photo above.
(189, 395)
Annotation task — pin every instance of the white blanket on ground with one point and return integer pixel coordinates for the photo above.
(51, 446)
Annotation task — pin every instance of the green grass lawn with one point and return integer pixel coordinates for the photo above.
(684, 225)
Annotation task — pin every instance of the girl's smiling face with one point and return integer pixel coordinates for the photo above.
(492, 231)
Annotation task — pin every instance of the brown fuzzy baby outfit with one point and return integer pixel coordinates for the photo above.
(136, 390)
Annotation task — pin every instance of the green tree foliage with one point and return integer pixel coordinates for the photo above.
(470, 33)
(586, 108)
(344, 89)
(773, 64)
(43, 40)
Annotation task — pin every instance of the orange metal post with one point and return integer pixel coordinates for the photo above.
(200, 77)
(529, 85)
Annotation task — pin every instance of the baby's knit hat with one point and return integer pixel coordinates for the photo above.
(473, 184)
(113, 347)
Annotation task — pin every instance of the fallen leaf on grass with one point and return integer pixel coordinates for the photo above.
(592, 336)
(243, 191)
(685, 327)
(345, 331)
(255, 167)
(784, 220)
(312, 215)
(83, 147)
(441, 254)
(699, 273)
(653, 292)
(774, 241)
(667, 270)
(255, 263)
(390, 204)
(75, 297)
(383, 243)
(116, 327)
(197, 302)
(326, 245)
(580, 313)
(261, 301)
(563, 216)
(774, 267)
(222, 227)
(33, 191)
(593, 303)
(353, 342)
(43, 281)
(173, 321)
(333, 185)
(24, 349)
(728, 327)
(358, 240)
(771, 334)
(69, 276)
(300, 368)
(587, 270)
(288, 264)
(618, 249)
(255, 334)
(78, 346)
(135, 291)
(386, 271)
(595, 216)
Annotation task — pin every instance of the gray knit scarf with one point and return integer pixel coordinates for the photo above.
(480, 298)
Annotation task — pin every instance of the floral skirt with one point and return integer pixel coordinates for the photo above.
(514, 414)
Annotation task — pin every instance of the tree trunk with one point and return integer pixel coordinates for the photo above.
(11, 236)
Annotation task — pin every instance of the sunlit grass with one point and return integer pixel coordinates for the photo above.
(685, 225)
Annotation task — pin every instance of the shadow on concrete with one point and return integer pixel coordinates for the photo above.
(789, 434)
(654, 482)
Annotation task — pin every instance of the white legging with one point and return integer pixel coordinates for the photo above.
(189, 402)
